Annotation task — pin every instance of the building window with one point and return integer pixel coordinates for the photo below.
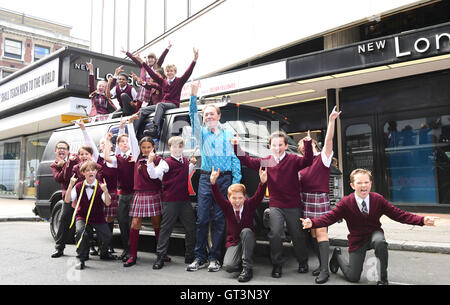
(40, 51)
(13, 49)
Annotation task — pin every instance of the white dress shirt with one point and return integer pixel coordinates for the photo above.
(360, 200)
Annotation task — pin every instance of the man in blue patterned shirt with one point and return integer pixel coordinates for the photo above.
(217, 152)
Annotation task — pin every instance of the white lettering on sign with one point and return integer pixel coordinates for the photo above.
(372, 46)
(41, 80)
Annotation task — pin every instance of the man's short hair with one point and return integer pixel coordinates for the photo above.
(176, 140)
(360, 171)
(88, 165)
(235, 188)
(279, 134)
(62, 142)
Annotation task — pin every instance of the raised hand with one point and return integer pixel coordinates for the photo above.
(235, 139)
(214, 175)
(80, 124)
(103, 186)
(195, 54)
(118, 70)
(123, 50)
(263, 175)
(73, 180)
(90, 66)
(308, 136)
(334, 114)
(133, 117)
(193, 160)
(194, 88)
(151, 156)
(307, 223)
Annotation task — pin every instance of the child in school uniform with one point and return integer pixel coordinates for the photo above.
(90, 196)
(314, 181)
(147, 192)
(171, 92)
(101, 105)
(63, 156)
(109, 172)
(126, 95)
(124, 162)
(174, 171)
(285, 202)
(362, 211)
(148, 96)
(239, 214)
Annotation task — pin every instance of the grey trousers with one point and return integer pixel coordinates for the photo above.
(171, 211)
(123, 216)
(104, 236)
(276, 235)
(242, 252)
(353, 269)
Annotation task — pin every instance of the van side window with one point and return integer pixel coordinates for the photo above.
(181, 126)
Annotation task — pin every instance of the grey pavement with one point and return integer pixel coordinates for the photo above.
(399, 236)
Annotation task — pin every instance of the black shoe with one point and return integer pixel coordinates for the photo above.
(303, 268)
(316, 272)
(159, 262)
(383, 282)
(167, 259)
(334, 265)
(189, 260)
(79, 265)
(108, 256)
(130, 262)
(124, 256)
(152, 132)
(322, 278)
(93, 251)
(276, 271)
(57, 253)
(246, 275)
(111, 250)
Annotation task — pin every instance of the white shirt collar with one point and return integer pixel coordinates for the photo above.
(280, 158)
(359, 201)
(180, 158)
(93, 183)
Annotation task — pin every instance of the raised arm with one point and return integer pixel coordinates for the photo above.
(250, 162)
(91, 83)
(257, 198)
(133, 140)
(328, 146)
(189, 70)
(88, 140)
(193, 114)
(218, 196)
(163, 55)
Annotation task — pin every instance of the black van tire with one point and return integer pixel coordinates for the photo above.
(55, 221)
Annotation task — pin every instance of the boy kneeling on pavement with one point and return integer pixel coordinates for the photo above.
(239, 213)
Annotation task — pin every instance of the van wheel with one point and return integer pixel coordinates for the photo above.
(55, 221)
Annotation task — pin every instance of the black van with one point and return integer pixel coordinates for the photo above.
(253, 125)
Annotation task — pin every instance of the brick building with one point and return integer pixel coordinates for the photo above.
(25, 39)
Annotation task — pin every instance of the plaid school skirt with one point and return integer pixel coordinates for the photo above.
(145, 204)
(111, 210)
(144, 95)
(315, 204)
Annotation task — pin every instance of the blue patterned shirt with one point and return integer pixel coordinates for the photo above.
(216, 150)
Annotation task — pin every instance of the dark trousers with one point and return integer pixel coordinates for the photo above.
(276, 235)
(104, 236)
(123, 216)
(63, 230)
(127, 108)
(171, 211)
(205, 204)
(352, 270)
(159, 110)
(241, 253)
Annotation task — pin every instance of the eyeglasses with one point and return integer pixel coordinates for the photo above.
(61, 148)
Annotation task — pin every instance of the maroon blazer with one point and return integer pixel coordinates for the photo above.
(282, 178)
(362, 226)
(59, 174)
(234, 227)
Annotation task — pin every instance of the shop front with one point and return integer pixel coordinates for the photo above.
(39, 99)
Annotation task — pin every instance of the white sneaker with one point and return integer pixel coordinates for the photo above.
(214, 266)
(195, 265)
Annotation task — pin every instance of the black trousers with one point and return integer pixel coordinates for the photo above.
(123, 216)
(63, 231)
(104, 236)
